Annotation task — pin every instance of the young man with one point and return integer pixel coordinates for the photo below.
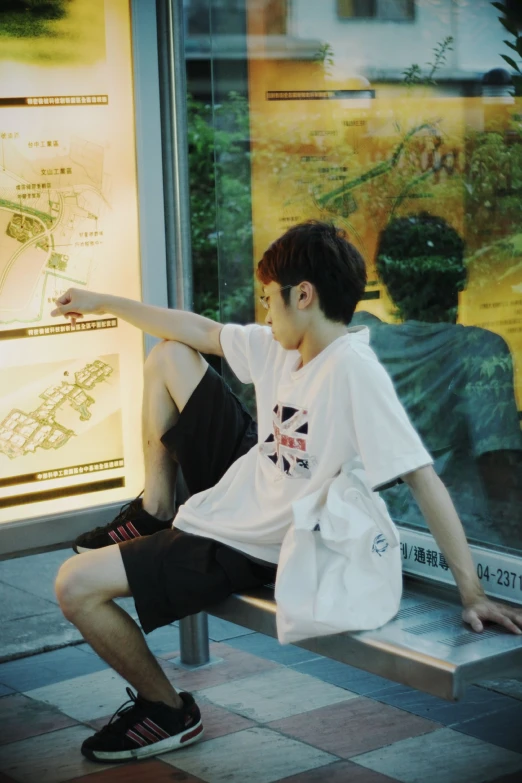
(322, 398)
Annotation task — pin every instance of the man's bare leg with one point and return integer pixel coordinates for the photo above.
(172, 372)
(85, 588)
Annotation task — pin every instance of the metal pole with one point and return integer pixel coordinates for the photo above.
(194, 646)
(173, 92)
(194, 641)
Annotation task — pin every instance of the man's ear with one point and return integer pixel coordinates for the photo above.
(305, 294)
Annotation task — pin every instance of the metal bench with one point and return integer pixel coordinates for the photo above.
(426, 646)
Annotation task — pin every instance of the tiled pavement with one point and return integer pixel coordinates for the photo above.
(271, 713)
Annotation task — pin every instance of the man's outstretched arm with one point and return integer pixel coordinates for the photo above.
(194, 330)
(442, 519)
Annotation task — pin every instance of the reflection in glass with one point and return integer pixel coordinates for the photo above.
(402, 123)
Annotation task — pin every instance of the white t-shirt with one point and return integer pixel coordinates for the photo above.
(311, 420)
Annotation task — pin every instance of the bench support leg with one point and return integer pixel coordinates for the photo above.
(194, 646)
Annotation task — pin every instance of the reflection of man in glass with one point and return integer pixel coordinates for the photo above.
(456, 382)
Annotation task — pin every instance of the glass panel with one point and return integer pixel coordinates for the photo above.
(411, 142)
(69, 395)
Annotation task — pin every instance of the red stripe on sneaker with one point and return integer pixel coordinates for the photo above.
(132, 529)
(136, 738)
(143, 731)
(154, 726)
(114, 536)
(192, 734)
(123, 533)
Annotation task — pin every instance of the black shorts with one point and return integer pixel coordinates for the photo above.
(173, 574)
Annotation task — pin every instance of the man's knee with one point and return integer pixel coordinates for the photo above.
(170, 353)
(70, 587)
(179, 367)
(84, 581)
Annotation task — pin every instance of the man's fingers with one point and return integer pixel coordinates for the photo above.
(64, 298)
(509, 619)
(64, 310)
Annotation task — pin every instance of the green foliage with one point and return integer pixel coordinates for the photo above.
(220, 201)
(28, 18)
(413, 74)
(325, 58)
(420, 260)
(510, 25)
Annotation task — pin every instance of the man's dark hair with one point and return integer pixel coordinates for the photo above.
(420, 260)
(321, 254)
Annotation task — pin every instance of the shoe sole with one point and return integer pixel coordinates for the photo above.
(194, 734)
(80, 549)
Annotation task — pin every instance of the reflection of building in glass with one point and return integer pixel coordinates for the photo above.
(377, 39)
(22, 433)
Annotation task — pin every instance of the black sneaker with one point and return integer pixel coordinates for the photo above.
(145, 728)
(132, 522)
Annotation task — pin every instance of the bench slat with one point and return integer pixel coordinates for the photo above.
(426, 646)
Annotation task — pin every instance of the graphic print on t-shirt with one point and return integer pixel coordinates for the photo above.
(286, 445)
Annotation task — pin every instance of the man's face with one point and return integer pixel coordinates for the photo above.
(280, 317)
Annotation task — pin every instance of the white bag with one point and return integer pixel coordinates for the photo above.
(340, 565)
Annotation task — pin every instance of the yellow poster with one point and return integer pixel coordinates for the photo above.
(428, 188)
(69, 397)
(331, 150)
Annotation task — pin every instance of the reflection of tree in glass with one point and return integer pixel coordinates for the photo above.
(420, 259)
(493, 182)
(219, 156)
(21, 18)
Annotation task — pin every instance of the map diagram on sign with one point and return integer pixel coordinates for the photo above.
(52, 201)
(23, 432)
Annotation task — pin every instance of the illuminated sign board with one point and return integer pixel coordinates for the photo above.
(70, 433)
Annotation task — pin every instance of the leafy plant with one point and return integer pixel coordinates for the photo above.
(220, 202)
(509, 24)
(413, 74)
(325, 58)
(420, 260)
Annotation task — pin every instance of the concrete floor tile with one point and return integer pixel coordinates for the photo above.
(219, 722)
(140, 772)
(41, 632)
(504, 728)
(443, 755)
(21, 717)
(477, 702)
(338, 772)
(342, 675)
(219, 630)
(37, 671)
(256, 755)
(267, 647)
(84, 698)
(17, 603)
(353, 727)
(232, 665)
(4, 690)
(35, 574)
(509, 687)
(49, 758)
(275, 694)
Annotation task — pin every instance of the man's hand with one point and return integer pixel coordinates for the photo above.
(485, 610)
(75, 303)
